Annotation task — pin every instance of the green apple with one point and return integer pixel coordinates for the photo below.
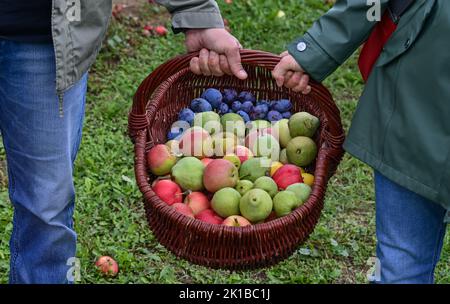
(301, 151)
(284, 203)
(283, 157)
(282, 127)
(243, 186)
(188, 173)
(257, 125)
(225, 202)
(267, 184)
(233, 123)
(210, 121)
(254, 168)
(301, 190)
(256, 205)
(234, 159)
(303, 124)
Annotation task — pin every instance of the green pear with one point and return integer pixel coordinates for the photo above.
(254, 168)
(301, 190)
(188, 173)
(282, 127)
(225, 202)
(243, 186)
(301, 151)
(303, 124)
(283, 157)
(233, 123)
(266, 146)
(267, 184)
(284, 203)
(210, 121)
(256, 205)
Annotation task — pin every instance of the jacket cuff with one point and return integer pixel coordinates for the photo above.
(312, 57)
(196, 20)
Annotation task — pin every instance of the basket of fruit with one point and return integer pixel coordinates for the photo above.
(233, 172)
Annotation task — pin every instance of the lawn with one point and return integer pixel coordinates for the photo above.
(109, 216)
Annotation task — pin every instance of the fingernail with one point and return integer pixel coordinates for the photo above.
(243, 74)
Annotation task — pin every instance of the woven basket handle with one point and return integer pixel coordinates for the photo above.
(137, 117)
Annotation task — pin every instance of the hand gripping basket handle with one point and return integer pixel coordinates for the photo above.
(137, 117)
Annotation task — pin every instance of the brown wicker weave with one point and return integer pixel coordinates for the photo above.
(158, 100)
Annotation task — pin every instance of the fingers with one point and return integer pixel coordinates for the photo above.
(302, 85)
(204, 62)
(293, 81)
(224, 66)
(280, 72)
(214, 64)
(195, 66)
(284, 54)
(234, 60)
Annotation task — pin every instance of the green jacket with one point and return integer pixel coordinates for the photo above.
(402, 123)
(79, 26)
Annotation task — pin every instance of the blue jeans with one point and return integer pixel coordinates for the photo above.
(41, 147)
(410, 233)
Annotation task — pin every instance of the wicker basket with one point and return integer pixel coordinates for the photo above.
(158, 100)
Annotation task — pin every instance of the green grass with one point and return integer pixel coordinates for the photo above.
(109, 214)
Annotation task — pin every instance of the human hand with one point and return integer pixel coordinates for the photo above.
(290, 74)
(219, 53)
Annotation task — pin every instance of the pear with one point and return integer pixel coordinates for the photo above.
(267, 184)
(303, 124)
(254, 168)
(284, 203)
(301, 151)
(256, 205)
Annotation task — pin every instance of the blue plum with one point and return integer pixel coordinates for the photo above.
(186, 115)
(236, 106)
(214, 97)
(199, 105)
(247, 107)
(286, 115)
(229, 95)
(224, 109)
(244, 116)
(282, 105)
(274, 116)
(246, 96)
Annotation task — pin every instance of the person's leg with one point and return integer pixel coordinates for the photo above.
(41, 147)
(410, 232)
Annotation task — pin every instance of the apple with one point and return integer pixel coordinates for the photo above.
(225, 202)
(272, 216)
(236, 221)
(253, 135)
(161, 30)
(287, 175)
(283, 157)
(209, 216)
(183, 209)
(188, 173)
(221, 144)
(191, 142)
(234, 159)
(168, 191)
(174, 147)
(234, 123)
(107, 265)
(210, 121)
(301, 151)
(266, 146)
(256, 205)
(308, 179)
(257, 125)
(243, 153)
(267, 184)
(220, 174)
(197, 201)
(274, 167)
(284, 203)
(160, 160)
(243, 186)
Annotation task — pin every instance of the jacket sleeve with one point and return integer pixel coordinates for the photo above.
(334, 37)
(189, 14)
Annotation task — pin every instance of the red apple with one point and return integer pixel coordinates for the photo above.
(160, 160)
(183, 209)
(168, 191)
(209, 216)
(253, 135)
(243, 153)
(107, 265)
(219, 174)
(287, 175)
(191, 142)
(161, 30)
(197, 201)
(236, 221)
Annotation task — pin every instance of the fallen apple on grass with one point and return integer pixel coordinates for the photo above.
(107, 265)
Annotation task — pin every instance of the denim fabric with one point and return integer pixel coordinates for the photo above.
(410, 233)
(41, 146)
